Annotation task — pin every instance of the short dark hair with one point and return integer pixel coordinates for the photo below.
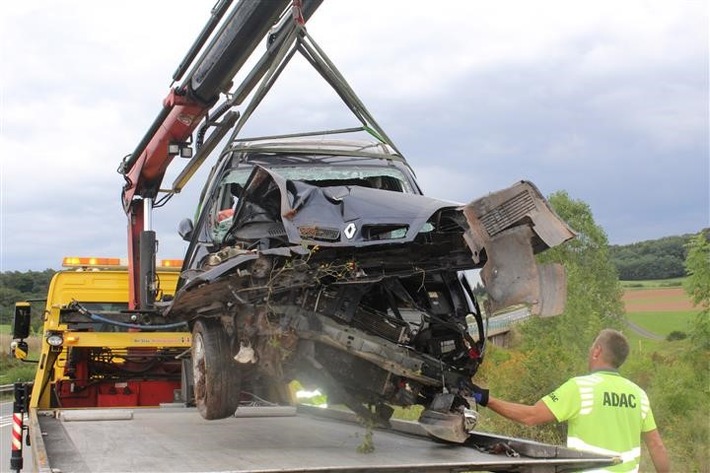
(615, 346)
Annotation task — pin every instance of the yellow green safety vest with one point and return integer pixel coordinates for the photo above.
(605, 413)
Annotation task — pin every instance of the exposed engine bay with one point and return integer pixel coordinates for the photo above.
(360, 291)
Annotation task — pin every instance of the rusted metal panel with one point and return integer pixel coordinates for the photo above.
(508, 228)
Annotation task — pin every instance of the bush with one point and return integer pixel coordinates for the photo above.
(676, 335)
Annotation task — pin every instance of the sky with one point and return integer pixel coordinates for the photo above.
(605, 100)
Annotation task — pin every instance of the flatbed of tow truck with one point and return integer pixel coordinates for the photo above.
(266, 439)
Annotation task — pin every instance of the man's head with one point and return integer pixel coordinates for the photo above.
(609, 350)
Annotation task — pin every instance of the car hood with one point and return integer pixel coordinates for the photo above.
(337, 215)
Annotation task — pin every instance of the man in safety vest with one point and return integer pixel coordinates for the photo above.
(606, 413)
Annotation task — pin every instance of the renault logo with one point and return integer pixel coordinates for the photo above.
(350, 230)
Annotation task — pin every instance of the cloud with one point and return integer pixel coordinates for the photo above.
(607, 100)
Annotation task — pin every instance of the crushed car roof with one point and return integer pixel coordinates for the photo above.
(318, 144)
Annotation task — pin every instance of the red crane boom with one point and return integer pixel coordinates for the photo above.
(189, 104)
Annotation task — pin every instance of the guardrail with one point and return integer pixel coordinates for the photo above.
(6, 388)
(503, 322)
(500, 324)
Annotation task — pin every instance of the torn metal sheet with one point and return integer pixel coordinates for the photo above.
(508, 228)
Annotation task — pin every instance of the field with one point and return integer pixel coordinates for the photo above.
(659, 299)
(658, 308)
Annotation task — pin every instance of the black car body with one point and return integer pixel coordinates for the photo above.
(319, 259)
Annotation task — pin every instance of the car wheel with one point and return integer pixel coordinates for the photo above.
(216, 376)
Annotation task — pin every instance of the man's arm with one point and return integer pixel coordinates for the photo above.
(657, 450)
(528, 415)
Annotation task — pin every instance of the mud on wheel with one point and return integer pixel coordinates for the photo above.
(216, 375)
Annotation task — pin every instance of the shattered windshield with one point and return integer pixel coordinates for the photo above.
(377, 177)
(386, 178)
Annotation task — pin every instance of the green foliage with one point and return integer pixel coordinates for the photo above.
(553, 349)
(593, 290)
(12, 370)
(21, 286)
(653, 259)
(367, 445)
(549, 351)
(654, 283)
(676, 335)
(8, 297)
(697, 286)
(675, 376)
(518, 376)
(407, 413)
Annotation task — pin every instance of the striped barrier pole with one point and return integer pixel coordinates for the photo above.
(19, 407)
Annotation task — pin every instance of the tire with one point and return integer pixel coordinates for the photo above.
(216, 375)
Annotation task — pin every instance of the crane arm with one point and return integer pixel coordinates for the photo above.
(185, 107)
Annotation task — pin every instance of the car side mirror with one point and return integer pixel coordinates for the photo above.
(21, 321)
(185, 229)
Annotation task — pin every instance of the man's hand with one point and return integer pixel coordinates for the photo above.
(480, 395)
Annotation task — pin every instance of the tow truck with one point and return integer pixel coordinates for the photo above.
(110, 396)
(313, 258)
(95, 354)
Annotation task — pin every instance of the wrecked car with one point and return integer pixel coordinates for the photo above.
(318, 259)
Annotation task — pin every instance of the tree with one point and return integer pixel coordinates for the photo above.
(553, 349)
(593, 290)
(697, 265)
(17, 286)
(652, 259)
(8, 297)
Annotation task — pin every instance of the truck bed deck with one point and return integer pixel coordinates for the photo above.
(309, 439)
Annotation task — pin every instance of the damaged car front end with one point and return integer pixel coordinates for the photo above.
(320, 260)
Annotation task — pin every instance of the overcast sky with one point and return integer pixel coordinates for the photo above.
(607, 100)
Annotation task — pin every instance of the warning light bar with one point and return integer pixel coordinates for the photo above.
(170, 263)
(91, 261)
(95, 262)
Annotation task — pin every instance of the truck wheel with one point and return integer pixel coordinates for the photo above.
(217, 380)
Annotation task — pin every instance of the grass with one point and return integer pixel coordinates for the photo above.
(663, 323)
(11, 369)
(653, 283)
(15, 370)
(642, 310)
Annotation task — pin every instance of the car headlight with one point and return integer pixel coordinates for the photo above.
(55, 339)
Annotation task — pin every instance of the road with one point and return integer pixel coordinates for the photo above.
(643, 332)
(6, 438)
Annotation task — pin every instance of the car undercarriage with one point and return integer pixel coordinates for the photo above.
(359, 291)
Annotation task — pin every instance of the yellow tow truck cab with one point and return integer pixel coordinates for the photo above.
(96, 353)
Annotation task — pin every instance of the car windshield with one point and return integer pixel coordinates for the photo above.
(378, 177)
